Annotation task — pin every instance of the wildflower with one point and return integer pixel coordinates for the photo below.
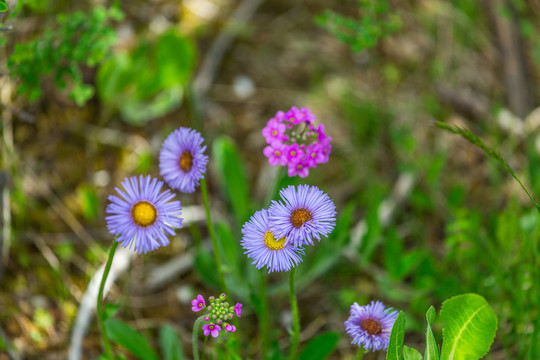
(295, 141)
(198, 304)
(230, 328)
(304, 214)
(141, 217)
(211, 329)
(266, 249)
(219, 313)
(182, 162)
(370, 325)
(238, 309)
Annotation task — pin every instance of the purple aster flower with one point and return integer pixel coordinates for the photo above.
(266, 250)
(304, 214)
(230, 328)
(142, 217)
(370, 325)
(182, 162)
(198, 304)
(211, 329)
(238, 309)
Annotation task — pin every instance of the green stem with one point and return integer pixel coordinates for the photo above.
(296, 319)
(195, 337)
(100, 310)
(264, 314)
(361, 352)
(217, 256)
(280, 171)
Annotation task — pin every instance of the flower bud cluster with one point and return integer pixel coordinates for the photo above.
(219, 314)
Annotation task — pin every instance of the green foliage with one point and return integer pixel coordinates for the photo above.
(147, 81)
(470, 327)
(3, 6)
(469, 332)
(130, 339)
(321, 346)
(170, 344)
(375, 23)
(81, 39)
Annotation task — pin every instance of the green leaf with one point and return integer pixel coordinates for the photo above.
(3, 6)
(232, 175)
(397, 336)
(129, 338)
(320, 347)
(206, 269)
(432, 351)
(411, 354)
(470, 327)
(110, 309)
(171, 346)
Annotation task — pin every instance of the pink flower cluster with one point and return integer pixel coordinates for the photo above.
(219, 312)
(295, 141)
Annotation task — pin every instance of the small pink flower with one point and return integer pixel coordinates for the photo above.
(276, 153)
(198, 303)
(273, 131)
(294, 154)
(299, 169)
(238, 309)
(230, 328)
(314, 155)
(207, 318)
(211, 329)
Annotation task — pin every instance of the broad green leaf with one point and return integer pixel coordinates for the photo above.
(320, 347)
(171, 347)
(411, 354)
(470, 327)
(232, 176)
(397, 336)
(3, 6)
(432, 351)
(131, 339)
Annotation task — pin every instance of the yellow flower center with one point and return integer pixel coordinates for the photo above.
(277, 153)
(143, 213)
(271, 242)
(300, 216)
(274, 132)
(372, 327)
(293, 153)
(186, 161)
(313, 155)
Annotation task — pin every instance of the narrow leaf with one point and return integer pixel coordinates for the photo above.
(131, 339)
(171, 348)
(397, 336)
(3, 6)
(470, 327)
(320, 347)
(411, 354)
(432, 351)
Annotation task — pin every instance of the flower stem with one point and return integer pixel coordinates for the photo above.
(273, 188)
(217, 256)
(195, 336)
(360, 354)
(264, 315)
(296, 319)
(100, 309)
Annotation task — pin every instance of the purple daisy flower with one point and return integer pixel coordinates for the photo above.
(265, 249)
(370, 325)
(142, 217)
(211, 329)
(304, 214)
(198, 304)
(182, 162)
